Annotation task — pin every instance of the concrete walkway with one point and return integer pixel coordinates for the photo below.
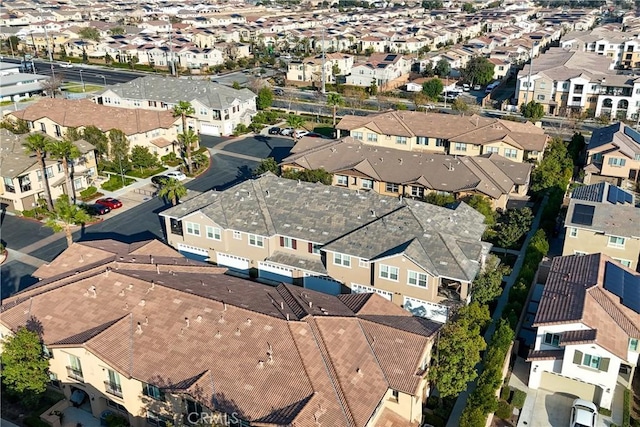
(5, 423)
(456, 413)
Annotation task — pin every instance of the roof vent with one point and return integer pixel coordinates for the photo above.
(237, 333)
(221, 318)
(248, 322)
(146, 320)
(186, 322)
(139, 328)
(267, 191)
(260, 364)
(359, 372)
(142, 303)
(91, 292)
(106, 272)
(310, 304)
(199, 319)
(400, 160)
(81, 258)
(218, 335)
(157, 268)
(121, 293)
(130, 287)
(373, 213)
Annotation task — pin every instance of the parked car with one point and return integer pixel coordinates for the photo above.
(96, 209)
(313, 135)
(278, 91)
(583, 414)
(275, 130)
(300, 133)
(110, 202)
(286, 131)
(176, 175)
(67, 64)
(477, 87)
(466, 87)
(159, 180)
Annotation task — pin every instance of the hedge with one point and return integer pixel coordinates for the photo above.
(518, 398)
(626, 408)
(505, 410)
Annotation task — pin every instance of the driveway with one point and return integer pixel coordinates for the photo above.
(261, 146)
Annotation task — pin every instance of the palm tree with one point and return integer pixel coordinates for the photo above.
(172, 190)
(295, 121)
(187, 140)
(65, 151)
(184, 109)
(65, 215)
(36, 143)
(334, 100)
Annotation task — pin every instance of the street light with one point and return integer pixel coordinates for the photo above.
(82, 81)
(104, 79)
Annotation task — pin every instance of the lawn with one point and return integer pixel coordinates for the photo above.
(145, 173)
(324, 130)
(115, 183)
(77, 88)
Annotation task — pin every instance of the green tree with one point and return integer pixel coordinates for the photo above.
(460, 106)
(514, 224)
(335, 70)
(66, 152)
(294, 121)
(576, 145)
(265, 98)
(97, 138)
(432, 4)
(555, 169)
(64, 216)
(479, 70)
(267, 165)
(483, 205)
(373, 88)
(36, 143)
(73, 134)
(468, 7)
(142, 158)
(25, 369)
(116, 31)
(184, 109)
(236, 85)
(433, 88)
(335, 100)
(309, 175)
(18, 126)
(119, 147)
(488, 285)
(428, 70)
(458, 350)
(439, 199)
(532, 110)
(89, 33)
(442, 68)
(172, 190)
(12, 43)
(188, 140)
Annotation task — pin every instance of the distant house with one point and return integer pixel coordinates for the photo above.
(310, 69)
(613, 154)
(385, 70)
(16, 86)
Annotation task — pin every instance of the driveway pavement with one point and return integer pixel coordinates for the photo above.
(259, 146)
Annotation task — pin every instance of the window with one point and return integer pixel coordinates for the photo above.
(112, 384)
(74, 370)
(401, 140)
(157, 420)
(288, 242)
(615, 161)
(213, 233)
(363, 263)
(633, 344)
(342, 180)
(192, 228)
(417, 279)
(565, 85)
(43, 127)
(624, 262)
(357, 135)
(422, 140)
(366, 183)
(237, 235)
(391, 188)
(8, 185)
(616, 242)
(510, 153)
(591, 361)
(460, 146)
(552, 339)
(395, 394)
(573, 232)
(440, 142)
(417, 191)
(152, 391)
(579, 253)
(117, 406)
(597, 157)
(372, 137)
(314, 248)
(540, 97)
(341, 259)
(388, 272)
(57, 130)
(491, 150)
(255, 240)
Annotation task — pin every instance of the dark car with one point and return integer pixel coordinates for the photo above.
(313, 135)
(96, 209)
(110, 202)
(278, 91)
(160, 180)
(274, 130)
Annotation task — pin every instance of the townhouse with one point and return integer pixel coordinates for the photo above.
(155, 130)
(622, 48)
(16, 86)
(218, 109)
(22, 181)
(399, 173)
(613, 154)
(387, 71)
(587, 328)
(602, 218)
(114, 314)
(310, 69)
(447, 134)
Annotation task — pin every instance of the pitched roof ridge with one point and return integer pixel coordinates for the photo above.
(375, 356)
(487, 175)
(264, 206)
(91, 332)
(291, 301)
(402, 123)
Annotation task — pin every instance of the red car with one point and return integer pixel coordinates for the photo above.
(110, 202)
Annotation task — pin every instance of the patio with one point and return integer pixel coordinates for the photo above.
(74, 417)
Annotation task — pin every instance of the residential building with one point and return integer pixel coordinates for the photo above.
(218, 108)
(155, 130)
(447, 134)
(602, 218)
(22, 181)
(618, 97)
(386, 70)
(622, 48)
(140, 331)
(16, 86)
(613, 154)
(393, 172)
(588, 327)
(334, 240)
(310, 69)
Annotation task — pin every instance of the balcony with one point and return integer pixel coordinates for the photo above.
(113, 388)
(615, 91)
(75, 373)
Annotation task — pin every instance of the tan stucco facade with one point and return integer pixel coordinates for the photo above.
(583, 241)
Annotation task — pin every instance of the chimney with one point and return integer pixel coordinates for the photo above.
(186, 321)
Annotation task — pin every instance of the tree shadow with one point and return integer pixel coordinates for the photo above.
(244, 173)
(16, 276)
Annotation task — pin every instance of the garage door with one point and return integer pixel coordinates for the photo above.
(275, 272)
(209, 129)
(322, 284)
(560, 384)
(233, 262)
(193, 252)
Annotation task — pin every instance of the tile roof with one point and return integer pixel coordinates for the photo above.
(331, 366)
(545, 355)
(447, 240)
(574, 292)
(582, 336)
(492, 175)
(83, 112)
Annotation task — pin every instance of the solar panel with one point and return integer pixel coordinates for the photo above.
(582, 214)
(612, 197)
(624, 285)
(632, 134)
(614, 279)
(628, 197)
(390, 58)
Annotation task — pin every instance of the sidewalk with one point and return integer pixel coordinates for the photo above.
(456, 413)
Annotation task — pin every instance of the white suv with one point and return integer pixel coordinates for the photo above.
(583, 414)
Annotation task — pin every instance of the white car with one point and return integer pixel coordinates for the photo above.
(466, 87)
(583, 414)
(286, 131)
(176, 175)
(477, 87)
(66, 65)
(300, 133)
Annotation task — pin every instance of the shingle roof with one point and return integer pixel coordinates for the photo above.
(620, 135)
(331, 366)
(618, 220)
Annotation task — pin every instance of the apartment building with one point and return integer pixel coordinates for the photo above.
(447, 134)
(22, 181)
(602, 218)
(155, 130)
(620, 47)
(613, 154)
(309, 69)
(399, 173)
(385, 70)
(140, 331)
(587, 329)
(334, 240)
(218, 109)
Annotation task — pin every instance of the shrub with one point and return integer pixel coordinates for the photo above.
(113, 420)
(505, 410)
(626, 408)
(29, 213)
(240, 129)
(88, 192)
(35, 421)
(115, 183)
(605, 412)
(518, 398)
(505, 393)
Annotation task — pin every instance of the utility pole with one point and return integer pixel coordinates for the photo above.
(324, 61)
(46, 36)
(526, 95)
